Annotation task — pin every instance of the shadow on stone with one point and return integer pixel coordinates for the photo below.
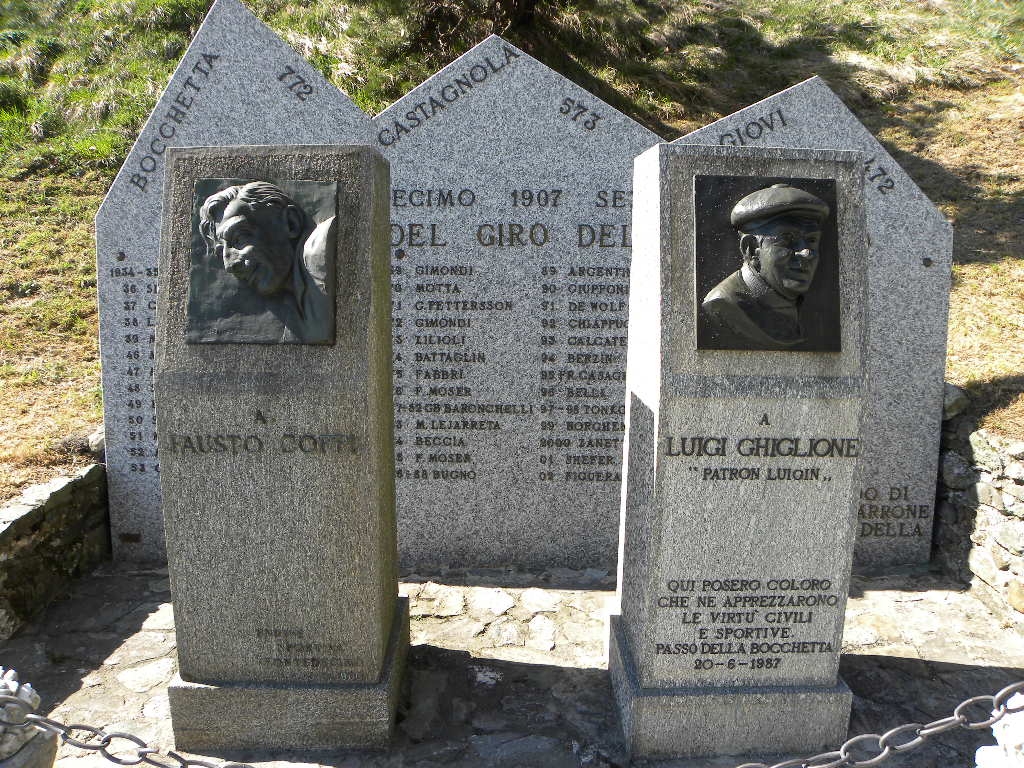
(927, 577)
(470, 712)
(62, 651)
(921, 691)
(979, 534)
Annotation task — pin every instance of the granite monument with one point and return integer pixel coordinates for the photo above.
(510, 265)
(276, 455)
(740, 495)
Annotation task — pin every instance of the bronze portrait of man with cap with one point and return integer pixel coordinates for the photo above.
(758, 307)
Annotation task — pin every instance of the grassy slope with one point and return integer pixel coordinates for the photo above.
(941, 82)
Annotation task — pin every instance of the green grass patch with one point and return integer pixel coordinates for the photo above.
(77, 97)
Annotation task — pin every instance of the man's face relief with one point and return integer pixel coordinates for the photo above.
(257, 245)
(784, 251)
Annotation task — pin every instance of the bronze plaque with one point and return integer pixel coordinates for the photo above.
(263, 261)
(767, 274)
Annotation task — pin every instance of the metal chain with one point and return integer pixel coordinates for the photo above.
(133, 752)
(871, 749)
(892, 742)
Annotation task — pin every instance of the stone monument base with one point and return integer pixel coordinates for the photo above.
(39, 752)
(292, 717)
(704, 722)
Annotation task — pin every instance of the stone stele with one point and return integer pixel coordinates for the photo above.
(277, 471)
(238, 83)
(739, 500)
(510, 259)
(909, 270)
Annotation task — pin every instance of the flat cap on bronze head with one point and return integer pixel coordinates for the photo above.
(775, 200)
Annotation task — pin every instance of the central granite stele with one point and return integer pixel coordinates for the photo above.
(510, 238)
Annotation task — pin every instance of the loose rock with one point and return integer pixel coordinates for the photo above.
(97, 444)
(12, 739)
(541, 633)
(505, 631)
(1015, 594)
(535, 600)
(983, 565)
(984, 454)
(147, 676)
(954, 401)
(1010, 535)
(437, 600)
(957, 471)
(489, 603)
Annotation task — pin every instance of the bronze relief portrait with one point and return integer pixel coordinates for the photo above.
(263, 262)
(767, 264)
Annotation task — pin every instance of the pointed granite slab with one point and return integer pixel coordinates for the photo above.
(238, 84)
(511, 250)
(909, 272)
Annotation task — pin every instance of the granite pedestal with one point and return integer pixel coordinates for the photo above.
(302, 717)
(273, 397)
(667, 722)
(510, 254)
(744, 401)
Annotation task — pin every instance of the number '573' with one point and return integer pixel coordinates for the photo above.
(579, 112)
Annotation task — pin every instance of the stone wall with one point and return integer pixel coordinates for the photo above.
(979, 535)
(50, 535)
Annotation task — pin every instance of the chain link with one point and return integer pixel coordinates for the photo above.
(887, 745)
(914, 743)
(88, 737)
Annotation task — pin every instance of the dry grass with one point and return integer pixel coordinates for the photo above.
(968, 156)
(49, 356)
(986, 341)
